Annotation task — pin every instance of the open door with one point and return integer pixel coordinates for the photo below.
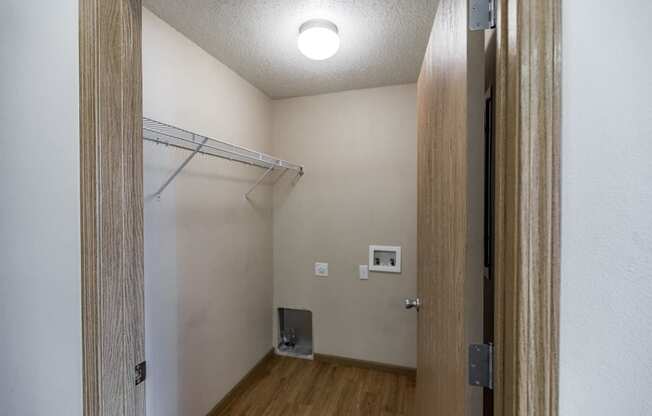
(450, 213)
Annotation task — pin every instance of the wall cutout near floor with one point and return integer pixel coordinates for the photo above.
(295, 333)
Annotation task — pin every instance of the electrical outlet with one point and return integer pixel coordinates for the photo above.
(321, 269)
(364, 272)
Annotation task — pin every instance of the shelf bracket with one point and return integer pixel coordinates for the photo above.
(179, 169)
(262, 178)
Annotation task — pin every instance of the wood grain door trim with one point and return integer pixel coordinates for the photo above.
(528, 82)
(111, 206)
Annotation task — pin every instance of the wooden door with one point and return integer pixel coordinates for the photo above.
(450, 213)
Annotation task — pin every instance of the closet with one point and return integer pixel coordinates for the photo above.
(276, 221)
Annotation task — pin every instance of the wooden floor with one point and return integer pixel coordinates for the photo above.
(295, 387)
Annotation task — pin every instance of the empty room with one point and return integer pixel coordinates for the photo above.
(325, 208)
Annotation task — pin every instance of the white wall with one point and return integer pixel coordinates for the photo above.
(40, 280)
(606, 290)
(359, 151)
(208, 251)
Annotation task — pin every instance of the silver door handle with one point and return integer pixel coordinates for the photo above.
(413, 303)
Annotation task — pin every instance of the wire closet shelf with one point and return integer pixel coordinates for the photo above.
(168, 135)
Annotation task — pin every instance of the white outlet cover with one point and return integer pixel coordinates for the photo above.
(364, 272)
(321, 269)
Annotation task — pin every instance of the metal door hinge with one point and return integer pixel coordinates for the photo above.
(141, 372)
(481, 363)
(482, 14)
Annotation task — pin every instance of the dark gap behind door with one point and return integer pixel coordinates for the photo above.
(488, 286)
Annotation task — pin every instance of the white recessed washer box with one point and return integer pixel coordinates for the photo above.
(385, 259)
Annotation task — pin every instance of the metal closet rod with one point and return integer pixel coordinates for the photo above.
(192, 146)
(166, 134)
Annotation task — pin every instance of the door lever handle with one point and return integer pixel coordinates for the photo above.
(413, 303)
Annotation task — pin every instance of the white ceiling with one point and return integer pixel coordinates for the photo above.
(382, 41)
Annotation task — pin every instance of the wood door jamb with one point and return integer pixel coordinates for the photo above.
(528, 91)
(111, 200)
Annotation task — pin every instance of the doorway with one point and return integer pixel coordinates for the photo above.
(520, 180)
(521, 235)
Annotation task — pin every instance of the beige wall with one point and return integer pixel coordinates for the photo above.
(359, 151)
(208, 251)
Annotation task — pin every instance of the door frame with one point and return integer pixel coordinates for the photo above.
(527, 143)
(111, 198)
(528, 137)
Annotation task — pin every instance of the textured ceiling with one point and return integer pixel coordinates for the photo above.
(383, 41)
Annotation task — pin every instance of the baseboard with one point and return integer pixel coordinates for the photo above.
(250, 378)
(352, 362)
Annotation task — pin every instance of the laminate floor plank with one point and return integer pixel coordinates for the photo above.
(294, 387)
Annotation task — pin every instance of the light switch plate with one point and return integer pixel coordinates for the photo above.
(321, 269)
(364, 272)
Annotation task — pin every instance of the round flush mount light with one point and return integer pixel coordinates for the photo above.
(318, 39)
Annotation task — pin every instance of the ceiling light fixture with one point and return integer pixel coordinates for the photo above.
(318, 39)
